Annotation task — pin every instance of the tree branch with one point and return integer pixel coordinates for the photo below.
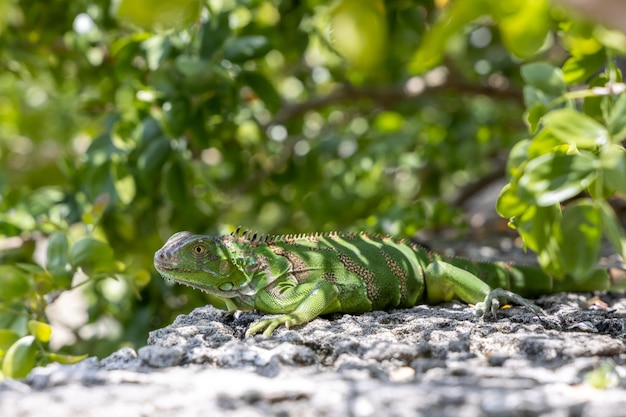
(388, 96)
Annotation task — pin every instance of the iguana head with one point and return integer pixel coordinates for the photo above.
(212, 264)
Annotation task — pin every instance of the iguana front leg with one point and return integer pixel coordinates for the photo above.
(445, 282)
(304, 302)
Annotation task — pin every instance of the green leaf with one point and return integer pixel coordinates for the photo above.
(157, 49)
(509, 204)
(549, 258)
(245, 48)
(124, 50)
(7, 338)
(534, 114)
(545, 78)
(551, 178)
(98, 180)
(92, 256)
(147, 130)
(358, 32)
(451, 21)
(524, 31)
(594, 106)
(176, 117)
(176, 184)
(213, 34)
(14, 283)
(575, 128)
(613, 229)
(535, 226)
(57, 259)
(539, 227)
(126, 189)
(578, 69)
(614, 169)
(545, 142)
(43, 199)
(142, 277)
(159, 14)
(100, 205)
(578, 35)
(42, 331)
(65, 359)
(580, 239)
(20, 358)
(598, 190)
(263, 88)
(192, 66)
(611, 39)
(19, 220)
(517, 158)
(534, 96)
(617, 120)
(152, 158)
(31, 268)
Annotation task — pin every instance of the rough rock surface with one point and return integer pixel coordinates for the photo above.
(424, 361)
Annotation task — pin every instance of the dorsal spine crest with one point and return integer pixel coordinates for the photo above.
(249, 236)
(254, 238)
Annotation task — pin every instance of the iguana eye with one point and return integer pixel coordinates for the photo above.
(199, 249)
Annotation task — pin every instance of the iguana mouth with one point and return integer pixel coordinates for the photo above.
(196, 286)
(163, 266)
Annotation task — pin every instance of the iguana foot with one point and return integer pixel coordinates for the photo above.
(269, 325)
(493, 301)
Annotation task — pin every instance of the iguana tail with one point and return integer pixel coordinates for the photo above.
(532, 281)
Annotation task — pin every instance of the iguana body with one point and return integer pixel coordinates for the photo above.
(303, 276)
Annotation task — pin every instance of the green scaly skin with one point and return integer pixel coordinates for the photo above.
(301, 277)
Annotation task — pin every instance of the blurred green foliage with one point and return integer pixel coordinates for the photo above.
(123, 122)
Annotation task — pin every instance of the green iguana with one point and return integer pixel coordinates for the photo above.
(303, 276)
